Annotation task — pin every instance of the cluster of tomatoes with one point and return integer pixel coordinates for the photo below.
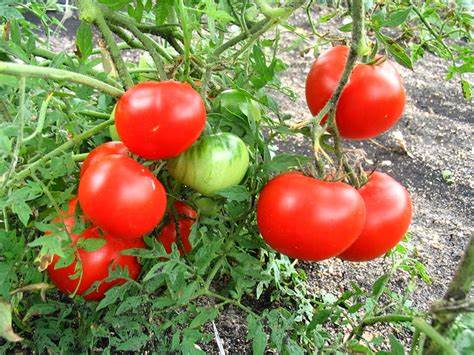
(311, 219)
(123, 200)
(300, 216)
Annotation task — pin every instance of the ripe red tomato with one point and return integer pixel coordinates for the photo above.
(95, 265)
(307, 218)
(101, 151)
(186, 218)
(388, 210)
(371, 102)
(159, 120)
(122, 197)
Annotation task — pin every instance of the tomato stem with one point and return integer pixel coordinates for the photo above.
(69, 144)
(458, 291)
(57, 74)
(112, 47)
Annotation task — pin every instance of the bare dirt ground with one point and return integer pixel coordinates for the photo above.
(437, 128)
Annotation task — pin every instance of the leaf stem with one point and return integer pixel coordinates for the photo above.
(19, 139)
(229, 300)
(114, 50)
(69, 144)
(435, 337)
(57, 74)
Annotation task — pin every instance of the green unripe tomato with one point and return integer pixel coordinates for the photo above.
(207, 206)
(213, 163)
(112, 129)
(238, 103)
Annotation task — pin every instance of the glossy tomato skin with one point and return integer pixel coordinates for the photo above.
(186, 218)
(371, 102)
(122, 197)
(389, 212)
(95, 265)
(213, 163)
(307, 218)
(160, 120)
(101, 151)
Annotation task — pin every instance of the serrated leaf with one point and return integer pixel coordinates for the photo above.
(204, 316)
(397, 17)
(284, 162)
(237, 193)
(379, 284)
(395, 346)
(466, 89)
(162, 10)
(84, 40)
(91, 244)
(319, 317)
(6, 330)
(395, 50)
(111, 297)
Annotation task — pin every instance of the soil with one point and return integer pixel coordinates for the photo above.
(433, 138)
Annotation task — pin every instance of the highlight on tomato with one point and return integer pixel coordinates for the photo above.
(371, 102)
(186, 217)
(122, 197)
(213, 163)
(160, 120)
(307, 218)
(101, 151)
(388, 216)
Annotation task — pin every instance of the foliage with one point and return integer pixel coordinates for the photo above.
(50, 120)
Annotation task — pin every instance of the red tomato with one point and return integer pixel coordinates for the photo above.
(95, 265)
(122, 197)
(159, 120)
(309, 219)
(101, 151)
(186, 218)
(389, 212)
(371, 102)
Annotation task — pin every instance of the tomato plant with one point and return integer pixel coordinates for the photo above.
(371, 102)
(214, 163)
(185, 218)
(204, 107)
(388, 216)
(309, 219)
(158, 120)
(122, 197)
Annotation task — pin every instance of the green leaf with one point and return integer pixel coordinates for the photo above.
(8, 10)
(23, 211)
(395, 50)
(466, 89)
(205, 315)
(319, 318)
(163, 10)
(379, 284)
(257, 335)
(284, 162)
(396, 346)
(235, 193)
(91, 244)
(111, 296)
(397, 17)
(84, 40)
(6, 330)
